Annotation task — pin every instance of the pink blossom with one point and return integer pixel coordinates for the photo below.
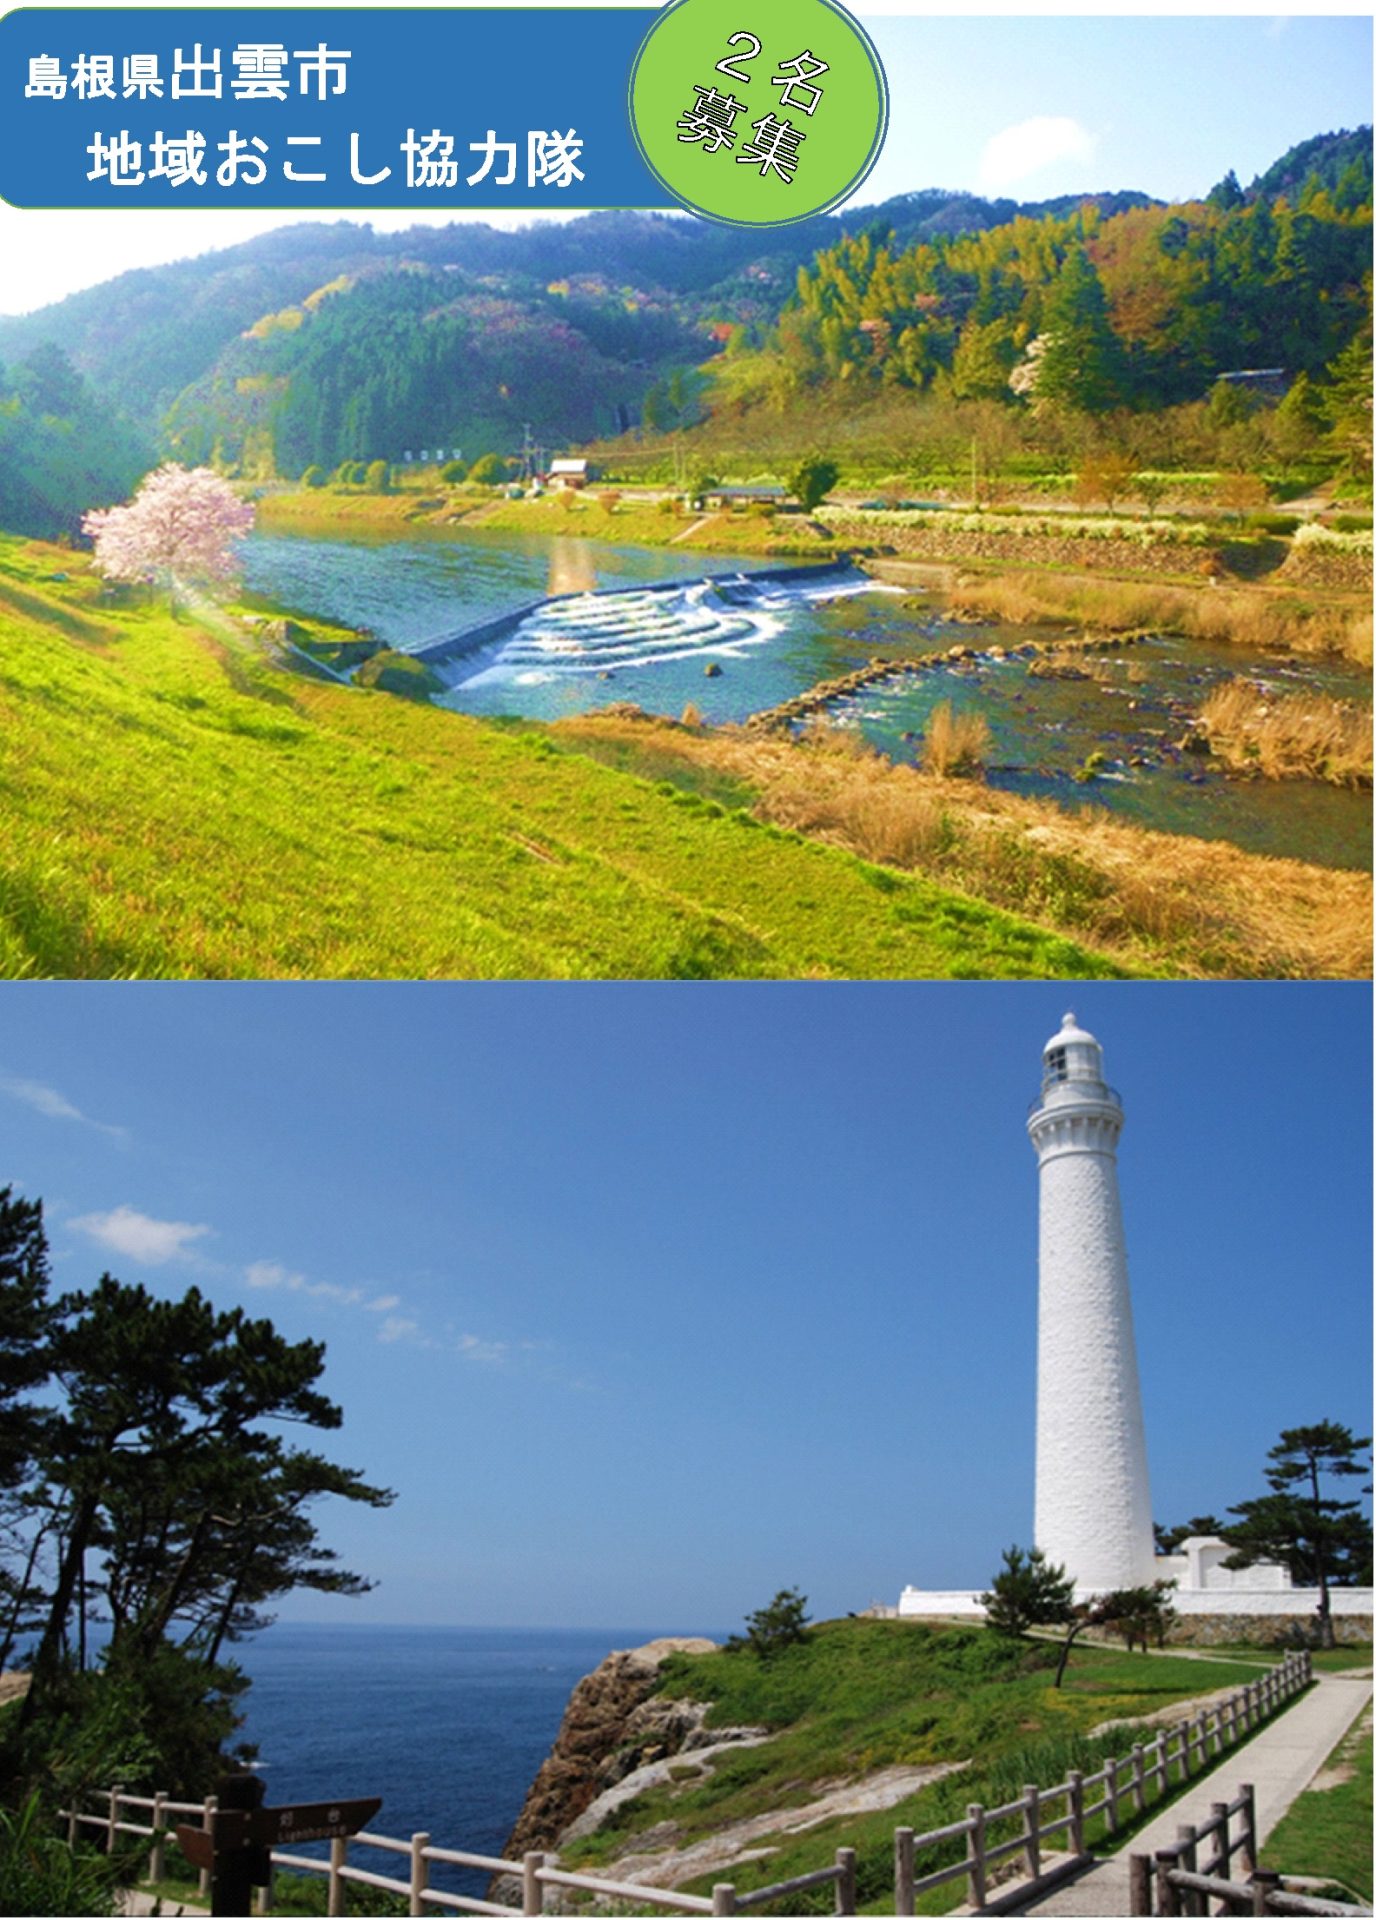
(181, 526)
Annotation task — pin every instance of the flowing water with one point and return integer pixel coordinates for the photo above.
(665, 630)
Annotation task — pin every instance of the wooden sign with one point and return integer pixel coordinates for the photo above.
(328, 1820)
(200, 1845)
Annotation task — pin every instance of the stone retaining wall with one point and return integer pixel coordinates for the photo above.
(1125, 555)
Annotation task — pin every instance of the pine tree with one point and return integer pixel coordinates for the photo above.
(1082, 366)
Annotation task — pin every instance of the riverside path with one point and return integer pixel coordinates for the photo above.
(1280, 1762)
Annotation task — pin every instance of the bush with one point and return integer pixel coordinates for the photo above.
(454, 473)
(813, 480)
(489, 471)
(41, 1874)
(377, 477)
(1280, 524)
(314, 477)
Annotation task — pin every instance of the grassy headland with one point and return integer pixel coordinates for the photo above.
(176, 805)
(858, 1696)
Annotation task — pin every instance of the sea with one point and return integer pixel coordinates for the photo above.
(447, 1725)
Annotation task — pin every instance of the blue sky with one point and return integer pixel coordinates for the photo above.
(651, 1300)
(1020, 104)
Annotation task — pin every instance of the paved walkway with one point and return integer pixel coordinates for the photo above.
(1280, 1762)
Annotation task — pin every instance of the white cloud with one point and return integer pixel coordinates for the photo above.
(49, 1102)
(394, 1327)
(1030, 147)
(151, 1242)
(384, 1303)
(270, 1274)
(489, 1352)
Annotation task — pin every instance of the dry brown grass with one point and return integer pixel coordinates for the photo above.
(1154, 900)
(1290, 735)
(1254, 617)
(954, 743)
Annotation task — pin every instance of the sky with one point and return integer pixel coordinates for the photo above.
(651, 1300)
(1005, 102)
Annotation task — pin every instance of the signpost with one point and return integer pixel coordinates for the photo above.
(237, 1849)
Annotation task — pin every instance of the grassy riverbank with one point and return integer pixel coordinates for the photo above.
(861, 1697)
(1157, 901)
(176, 805)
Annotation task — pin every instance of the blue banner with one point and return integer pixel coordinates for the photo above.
(353, 108)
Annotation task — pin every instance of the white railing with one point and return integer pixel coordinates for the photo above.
(991, 1835)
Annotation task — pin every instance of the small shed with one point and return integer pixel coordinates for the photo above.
(569, 475)
(744, 496)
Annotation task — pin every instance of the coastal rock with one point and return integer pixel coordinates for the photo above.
(600, 1741)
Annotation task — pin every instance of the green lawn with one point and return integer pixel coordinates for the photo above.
(175, 806)
(861, 1695)
(1327, 1832)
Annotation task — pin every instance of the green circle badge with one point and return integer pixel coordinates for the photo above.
(758, 112)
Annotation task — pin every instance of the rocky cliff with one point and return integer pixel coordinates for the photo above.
(612, 1726)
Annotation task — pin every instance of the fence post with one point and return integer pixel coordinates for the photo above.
(1032, 1831)
(1139, 1778)
(1248, 1848)
(1139, 1883)
(1077, 1811)
(532, 1886)
(1187, 1855)
(845, 1880)
(263, 1897)
(904, 1871)
(1264, 1884)
(73, 1824)
(420, 1871)
(208, 1822)
(111, 1837)
(1220, 1864)
(974, 1853)
(1111, 1796)
(724, 1898)
(1185, 1749)
(339, 1855)
(1167, 1895)
(159, 1840)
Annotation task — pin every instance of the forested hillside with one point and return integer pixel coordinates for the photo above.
(317, 345)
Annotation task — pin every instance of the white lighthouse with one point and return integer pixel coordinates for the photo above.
(1093, 1511)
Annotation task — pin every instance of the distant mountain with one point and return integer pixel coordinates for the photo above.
(318, 343)
(144, 336)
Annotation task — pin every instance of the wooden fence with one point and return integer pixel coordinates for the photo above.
(1185, 1878)
(992, 1836)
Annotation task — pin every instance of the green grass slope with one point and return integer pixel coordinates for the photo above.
(1327, 1832)
(173, 805)
(859, 1695)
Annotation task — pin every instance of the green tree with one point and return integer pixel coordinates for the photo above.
(378, 477)
(770, 1629)
(25, 1319)
(813, 480)
(489, 471)
(1322, 1540)
(314, 476)
(454, 472)
(1138, 1613)
(1081, 366)
(1026, 1592)
(1347, 402)
(1171, 1539)
(983, 360)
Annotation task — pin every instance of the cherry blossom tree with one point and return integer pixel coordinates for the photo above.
(181, 529)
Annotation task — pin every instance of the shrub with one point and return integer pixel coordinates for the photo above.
(813, 480)
(954, 742)
(41, 1874)
(770, 1629)
(489, 471)
(454, 473)
(378, 477)
(314, 477)
(609, 502)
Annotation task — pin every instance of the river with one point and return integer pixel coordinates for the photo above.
(729, 645)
